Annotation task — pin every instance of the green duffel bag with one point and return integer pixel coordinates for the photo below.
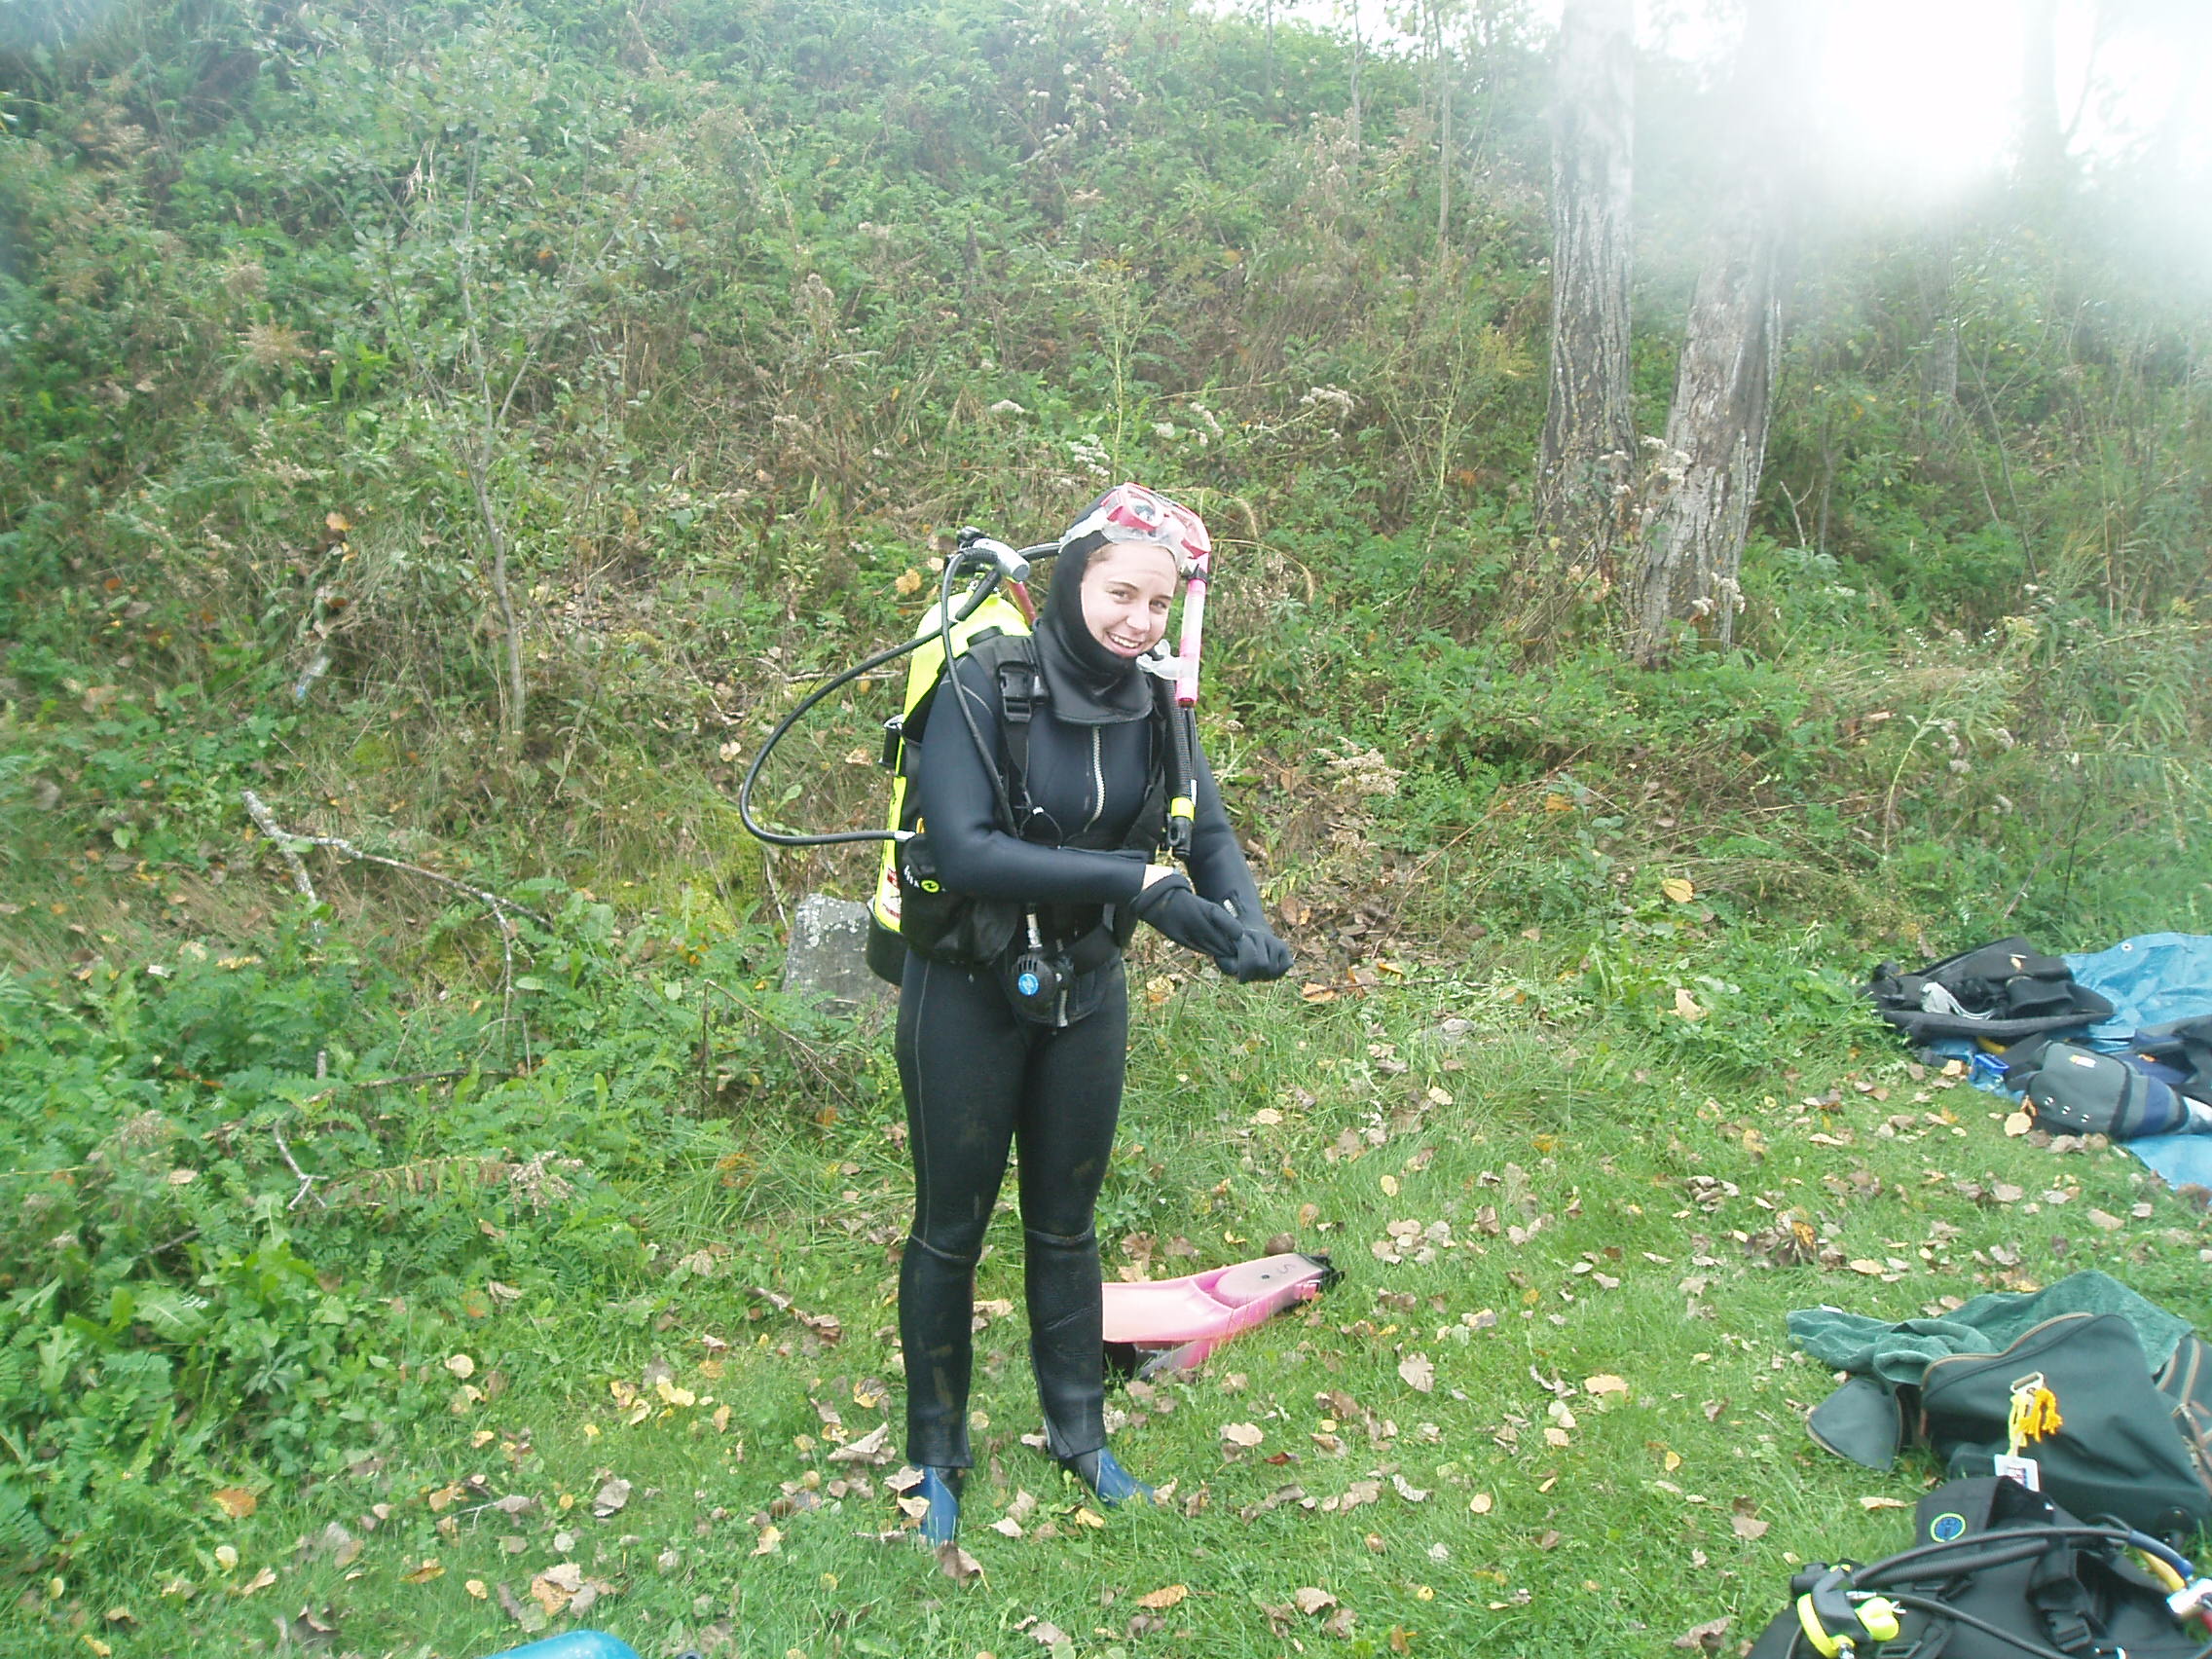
(2101, 1434)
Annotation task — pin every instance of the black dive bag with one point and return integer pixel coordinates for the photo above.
(2000, 993)
(1996, 1571)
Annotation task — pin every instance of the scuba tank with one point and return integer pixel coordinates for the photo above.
(992, 617)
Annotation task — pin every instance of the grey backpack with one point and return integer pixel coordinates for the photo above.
(2078, 1092)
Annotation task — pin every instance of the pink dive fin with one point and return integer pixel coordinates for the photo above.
(1174, 1324)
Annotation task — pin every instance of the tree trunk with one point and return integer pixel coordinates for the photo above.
(1700, 512)
(2043, 143)
(1715, 443)
(1586, 462)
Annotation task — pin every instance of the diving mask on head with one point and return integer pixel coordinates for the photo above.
(1129, 512)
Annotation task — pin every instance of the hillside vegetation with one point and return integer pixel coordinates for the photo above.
(467, 429)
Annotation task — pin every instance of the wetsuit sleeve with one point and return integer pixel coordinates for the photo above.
(1218, 870)
(959, 809)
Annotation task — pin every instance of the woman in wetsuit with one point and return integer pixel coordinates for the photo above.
(985, 1067)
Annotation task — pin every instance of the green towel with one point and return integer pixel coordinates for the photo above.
(1899, 1355)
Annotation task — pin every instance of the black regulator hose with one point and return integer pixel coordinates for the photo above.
(944, 633)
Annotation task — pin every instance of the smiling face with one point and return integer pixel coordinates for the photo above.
(1127, 589)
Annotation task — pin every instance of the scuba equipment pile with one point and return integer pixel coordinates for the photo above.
(1998, 1571)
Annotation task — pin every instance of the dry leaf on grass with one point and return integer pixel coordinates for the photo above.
(610, 1499)
(1417, 1372)
(873, 1447)
(237, 1502)
(526, 1614)
(1164, 1598)
(1704, 1637)
(1311, 1600)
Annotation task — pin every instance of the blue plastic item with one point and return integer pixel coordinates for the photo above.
(2149, 980)
(573, 1645)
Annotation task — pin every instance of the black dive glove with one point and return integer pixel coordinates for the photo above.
(1258, 955)
(1173, 907)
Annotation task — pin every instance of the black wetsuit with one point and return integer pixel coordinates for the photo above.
(979, 1077)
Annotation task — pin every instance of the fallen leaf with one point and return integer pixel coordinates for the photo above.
(423, 1574)
(1747, 1528)
(612, 1497)
(461, 1366)
(1687, 1005)
(557, 1586)
(1166, 1597)
(1007, 1526)
(1311, 1600)
(1604, 1384)
(1340, 1623)
(771, 1539)
(957, 1565)
(1883, 1503)
(1481, 1503)
(528, 1615)
(1679, 890)
(1243, 1433)
(237, 1502)
(477, 1588)
(1704, 1637)
(262, 1579)
(1417, 1372)
(2018, 1124)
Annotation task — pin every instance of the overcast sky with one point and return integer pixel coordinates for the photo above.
(1921, 97)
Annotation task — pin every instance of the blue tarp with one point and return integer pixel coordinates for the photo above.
(2153, 979)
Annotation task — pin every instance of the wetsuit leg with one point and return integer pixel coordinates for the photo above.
(1071, 1098)
(962, 1056)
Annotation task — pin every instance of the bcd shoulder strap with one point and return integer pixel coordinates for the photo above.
(1012, 661)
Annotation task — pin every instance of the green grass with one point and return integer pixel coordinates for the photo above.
(1650, 1191)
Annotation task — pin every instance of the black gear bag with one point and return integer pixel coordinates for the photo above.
(1995, 1571)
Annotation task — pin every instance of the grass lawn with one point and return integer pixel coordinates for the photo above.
(1551, 1409)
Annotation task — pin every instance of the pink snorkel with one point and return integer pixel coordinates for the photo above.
(1129, 512)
